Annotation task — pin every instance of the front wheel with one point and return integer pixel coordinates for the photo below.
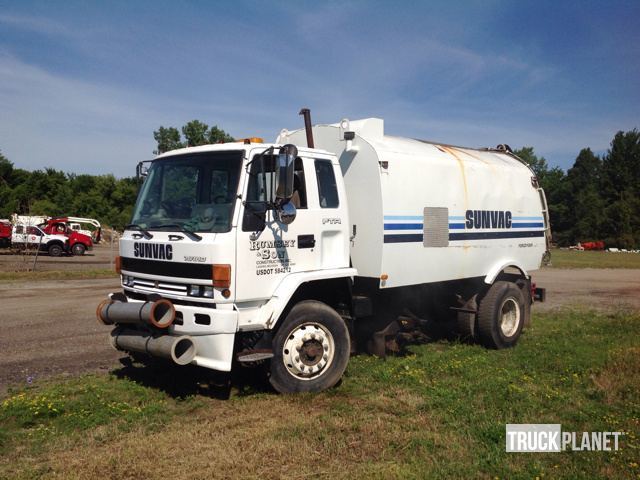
(501, 315)
(55, 250)
(78, 249)
(311, 349)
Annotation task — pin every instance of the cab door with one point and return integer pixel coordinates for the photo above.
(267, 249)
(18, 235)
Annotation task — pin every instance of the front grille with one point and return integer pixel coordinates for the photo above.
(145, 297)
(167, 269)
(159, 287)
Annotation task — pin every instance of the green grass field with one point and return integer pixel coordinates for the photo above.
(57, 275)
(593, 259)
(438, 412)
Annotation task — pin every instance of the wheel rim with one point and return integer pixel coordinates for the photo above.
(509, 317)
(308, 351)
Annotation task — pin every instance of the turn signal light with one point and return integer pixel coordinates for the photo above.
(118, 264)
(221, 276)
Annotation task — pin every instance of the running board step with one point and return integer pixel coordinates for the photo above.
(250, 356)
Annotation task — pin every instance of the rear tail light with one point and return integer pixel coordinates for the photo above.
(118, 264)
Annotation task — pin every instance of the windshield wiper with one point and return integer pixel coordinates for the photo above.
(135, 226)
(174, 226)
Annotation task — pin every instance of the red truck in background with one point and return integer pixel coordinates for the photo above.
(52, 236)
(5, 234)
(79, 243)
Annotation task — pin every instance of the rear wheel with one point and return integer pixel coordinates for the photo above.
(55, 250)
(501, 315)
(78, 249)
(311, 349)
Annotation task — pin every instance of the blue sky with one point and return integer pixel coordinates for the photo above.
(83, 85)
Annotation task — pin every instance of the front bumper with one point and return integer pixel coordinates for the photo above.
(212, 330)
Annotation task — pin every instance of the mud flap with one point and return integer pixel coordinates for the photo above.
(407, 329)
(377, 344)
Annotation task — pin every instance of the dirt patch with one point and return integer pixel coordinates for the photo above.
(49, 328)
(101, 257)
(590, 288)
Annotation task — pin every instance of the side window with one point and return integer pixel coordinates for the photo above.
(259, 191)
(20, 229)
(259, 184)
(327, 189)
(299, 198)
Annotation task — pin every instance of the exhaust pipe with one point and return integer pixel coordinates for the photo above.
(306, 113)
(159, 314)
(182, 350)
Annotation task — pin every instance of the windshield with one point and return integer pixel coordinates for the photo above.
(195, 192)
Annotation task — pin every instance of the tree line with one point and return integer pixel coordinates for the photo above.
(56, 193)
(598, 198)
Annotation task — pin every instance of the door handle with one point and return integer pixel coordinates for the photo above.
(306, 241)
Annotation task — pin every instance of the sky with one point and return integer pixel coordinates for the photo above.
(83, 85)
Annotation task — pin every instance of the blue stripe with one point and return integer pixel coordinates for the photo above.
(403, 226)
(403, 238)
(527, 218)
(456, 217)
(414, 238)
(403, 217)
(456, 226)
(527, 225)
(495, 235)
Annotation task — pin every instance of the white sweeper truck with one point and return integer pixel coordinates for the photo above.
(334, 239)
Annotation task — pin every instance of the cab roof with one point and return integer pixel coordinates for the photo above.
(235, 146)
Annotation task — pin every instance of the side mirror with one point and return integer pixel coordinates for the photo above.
(284, 173)
(286, 213)
(142, 169)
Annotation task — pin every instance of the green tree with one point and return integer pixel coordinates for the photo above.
(6, 169)
(620, 184)
(217, 135)
(195, 133)
(586, 213)
(167, 139)
(553, 182)
(537, 164)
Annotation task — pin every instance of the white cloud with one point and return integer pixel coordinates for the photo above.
(39, 25)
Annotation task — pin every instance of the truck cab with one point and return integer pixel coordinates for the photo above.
(228, 233)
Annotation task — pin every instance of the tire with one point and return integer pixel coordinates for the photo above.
(55, 250)
(78, 249)
(311, 349)
(501, 315)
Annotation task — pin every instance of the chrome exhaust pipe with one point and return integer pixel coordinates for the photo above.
(182, 350)
(159, 314)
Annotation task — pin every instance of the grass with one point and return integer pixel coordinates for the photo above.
(438, 412)
(57, 275)
(593, 259)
